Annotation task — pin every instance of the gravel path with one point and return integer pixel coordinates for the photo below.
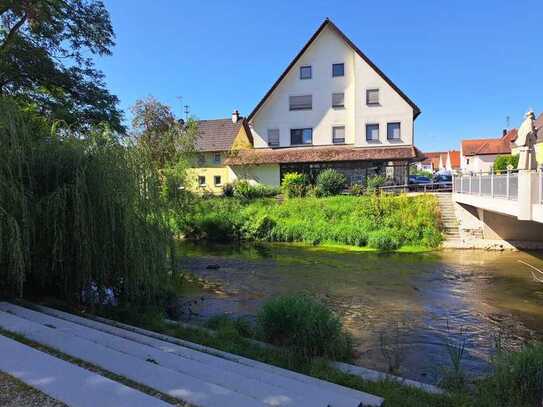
(14, 393)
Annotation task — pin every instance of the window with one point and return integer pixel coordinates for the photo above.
(372, 132)
(338, 70)
(338, 100)
(304, 102)
(273, 137)
(201, 159)
(202, 180)
(393, 131)
(338, 135)
(301, 136)
(305, 72)
(372, 97)
(217, 180)
(217, 158)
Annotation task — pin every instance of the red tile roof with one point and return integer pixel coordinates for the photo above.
(455, 159)
(321, 154)
(216, 135)
(433, 158)
(490, 146)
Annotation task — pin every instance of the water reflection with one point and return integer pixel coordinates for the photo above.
(418, 302)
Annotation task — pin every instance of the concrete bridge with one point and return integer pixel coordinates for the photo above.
(501, 206)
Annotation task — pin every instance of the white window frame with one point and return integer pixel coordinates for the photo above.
(278, 137)
(290, 104)
(373, 140)
(334, 128)
(217, 184)
(342, 106)
(310, 72)
(200, 184)
(368, 101)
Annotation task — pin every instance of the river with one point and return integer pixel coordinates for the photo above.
(412, 308)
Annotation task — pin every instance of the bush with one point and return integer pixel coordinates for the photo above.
(294, 185)
(357, 190)
(517, 379)
(503, 161)
(384, 239)
(244, 190)
(330, 182)
(305, 326)
(373, 183)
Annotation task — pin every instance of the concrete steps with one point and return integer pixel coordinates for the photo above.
(448, 218)
(199, 378)
(68, 383)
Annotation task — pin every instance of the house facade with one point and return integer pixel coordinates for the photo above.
(478, 155)
(331, 108)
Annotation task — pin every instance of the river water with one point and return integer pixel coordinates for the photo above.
(407, 310)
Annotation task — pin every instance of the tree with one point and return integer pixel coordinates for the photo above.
(504, 162)
(45, 59)
(164, 137)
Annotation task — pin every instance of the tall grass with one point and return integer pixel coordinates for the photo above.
(80, 214)
(384, 222)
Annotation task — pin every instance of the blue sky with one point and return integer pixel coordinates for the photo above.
(467, 64)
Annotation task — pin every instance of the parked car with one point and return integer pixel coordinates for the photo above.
(419, 179)
(442, 178)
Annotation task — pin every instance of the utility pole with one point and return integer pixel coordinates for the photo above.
(186, 112)
(507, 122)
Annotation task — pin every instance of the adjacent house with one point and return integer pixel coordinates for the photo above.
(440, 161)
(332, 107)
(479, 155)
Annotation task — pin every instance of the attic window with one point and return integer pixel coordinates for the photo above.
(217, 158)
(338, 70)
(372, 97)
(305, 72)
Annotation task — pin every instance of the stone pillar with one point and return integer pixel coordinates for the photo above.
(527, 192)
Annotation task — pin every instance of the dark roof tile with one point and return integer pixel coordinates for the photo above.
(216, 135)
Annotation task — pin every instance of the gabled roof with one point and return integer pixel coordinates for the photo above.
(455, 159)
(433, 158)
(328, 23)
(489, 146)
(216, 135)
(259, 156)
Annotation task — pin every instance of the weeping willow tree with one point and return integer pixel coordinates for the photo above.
(80, 214)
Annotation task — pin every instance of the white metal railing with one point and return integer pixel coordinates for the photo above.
(503, 185)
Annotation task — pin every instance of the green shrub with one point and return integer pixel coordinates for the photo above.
(244, 190)
(294, 185)
(517, 379)
(305, 326)
(374, 183)
(357, 190)
(384, 239)
(225, 322)
(503, 161)
(260, 228)
(330, 182)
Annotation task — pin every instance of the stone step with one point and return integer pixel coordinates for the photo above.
(68, 383)
(261, 385)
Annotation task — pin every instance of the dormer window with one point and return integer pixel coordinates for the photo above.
(338, 70)
(305, 72)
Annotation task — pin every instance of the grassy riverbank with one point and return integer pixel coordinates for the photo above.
(373, 222)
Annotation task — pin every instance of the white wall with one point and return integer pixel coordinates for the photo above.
(326, 50)
(256, 174)
(477, 163)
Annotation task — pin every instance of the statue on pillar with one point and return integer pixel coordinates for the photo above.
(525, 141)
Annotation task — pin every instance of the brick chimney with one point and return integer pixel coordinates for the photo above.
(235, 116)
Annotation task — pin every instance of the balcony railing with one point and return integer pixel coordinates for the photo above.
(502, 185)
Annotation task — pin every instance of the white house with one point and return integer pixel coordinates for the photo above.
(479, 154)
(331, 108)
